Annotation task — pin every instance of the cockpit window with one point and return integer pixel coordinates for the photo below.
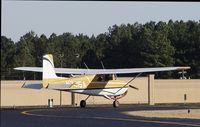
(104, 77)
(100, 78)
(108, 77)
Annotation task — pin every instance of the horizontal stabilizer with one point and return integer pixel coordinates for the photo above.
(59, 86)
(33, 86)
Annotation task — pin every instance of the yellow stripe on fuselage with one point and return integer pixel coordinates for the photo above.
(60, 80)
(84, 82)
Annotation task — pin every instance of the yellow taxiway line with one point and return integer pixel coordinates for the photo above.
(28, 112)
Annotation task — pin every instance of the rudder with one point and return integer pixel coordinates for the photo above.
(48, 69)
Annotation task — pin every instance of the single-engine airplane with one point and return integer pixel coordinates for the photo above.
(95, 82)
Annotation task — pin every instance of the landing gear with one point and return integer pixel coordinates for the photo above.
(83, 104)
(115, 104)
(114, 99)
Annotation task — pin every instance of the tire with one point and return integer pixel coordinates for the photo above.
(83, 104)
(115, 104)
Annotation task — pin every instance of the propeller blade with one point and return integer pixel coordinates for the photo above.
(133, 87)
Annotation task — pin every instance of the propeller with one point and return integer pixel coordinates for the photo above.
(132, 80)
(134, 87)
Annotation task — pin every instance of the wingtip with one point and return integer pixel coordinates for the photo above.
(184, 68)
(19, 68)
(16, 68)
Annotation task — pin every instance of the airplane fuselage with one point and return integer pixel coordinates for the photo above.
(98, 85)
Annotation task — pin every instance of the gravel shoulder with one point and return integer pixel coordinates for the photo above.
(180, 113)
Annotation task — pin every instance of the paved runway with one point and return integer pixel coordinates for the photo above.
(92, 116)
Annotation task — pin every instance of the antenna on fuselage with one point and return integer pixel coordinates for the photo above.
(85, 65)
(114, 76)
(102, 65)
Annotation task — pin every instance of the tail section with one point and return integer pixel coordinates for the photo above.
(48, 67)
(48, 70)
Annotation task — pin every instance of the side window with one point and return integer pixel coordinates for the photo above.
(104, 77)
(100, 78)
(108, 77)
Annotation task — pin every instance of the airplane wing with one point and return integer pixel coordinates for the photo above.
(33, 69)
(103, 71)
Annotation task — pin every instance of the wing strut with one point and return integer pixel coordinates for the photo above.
(131, 81)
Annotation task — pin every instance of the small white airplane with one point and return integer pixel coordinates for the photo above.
(96, 82)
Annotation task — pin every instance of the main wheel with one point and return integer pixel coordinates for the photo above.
(83, 103)
(115, 104)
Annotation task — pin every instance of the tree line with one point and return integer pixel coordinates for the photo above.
(161, 44)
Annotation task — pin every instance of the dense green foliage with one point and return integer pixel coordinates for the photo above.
(126, 46)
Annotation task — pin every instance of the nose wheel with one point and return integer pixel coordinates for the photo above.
(115, 104)
(83, 104)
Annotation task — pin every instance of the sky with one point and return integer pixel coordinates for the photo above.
(87, 17)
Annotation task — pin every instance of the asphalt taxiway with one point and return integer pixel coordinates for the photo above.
(91, 116)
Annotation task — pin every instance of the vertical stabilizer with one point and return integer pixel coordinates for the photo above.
(48, 69)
